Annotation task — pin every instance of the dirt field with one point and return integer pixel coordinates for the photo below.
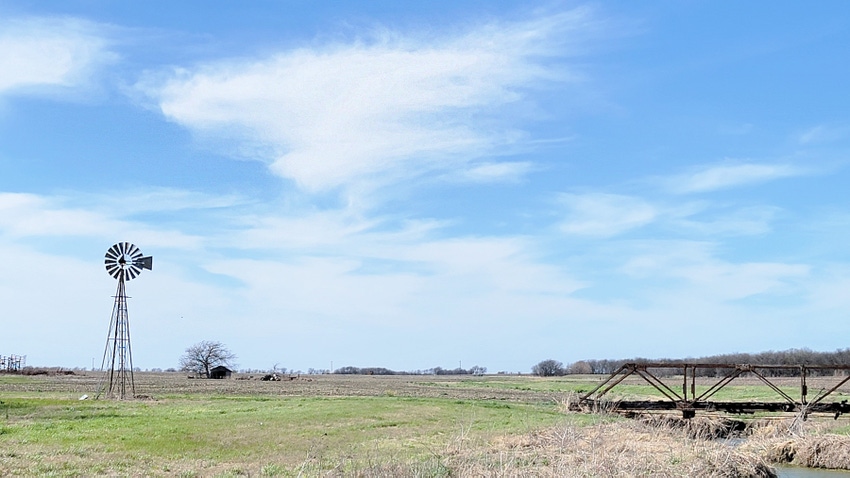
(524, 388)
(149, 384)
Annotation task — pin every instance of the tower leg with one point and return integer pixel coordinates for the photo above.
(117, 366)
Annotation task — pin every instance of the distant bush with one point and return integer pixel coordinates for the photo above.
(580, 367)
(350, 370)
(548, 368)
(45, 371)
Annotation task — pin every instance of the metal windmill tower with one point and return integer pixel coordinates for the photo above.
(124, 262)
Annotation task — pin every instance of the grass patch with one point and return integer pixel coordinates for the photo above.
(14, 379)
(331, 425)
(135, 436)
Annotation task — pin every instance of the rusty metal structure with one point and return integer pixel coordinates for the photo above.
(690, 398)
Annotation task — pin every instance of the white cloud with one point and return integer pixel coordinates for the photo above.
(49, 302)
(744, 221)
(382, 110)
(408, 248)
(431, 283)
(828, 291)
(42, 54)
(26, 215)
(309, 230)
(160, 199)
(362, 289)
(495, 172)
(725, 176)
(698, 272)
(824, 134)
(603, 215)
(29, 215)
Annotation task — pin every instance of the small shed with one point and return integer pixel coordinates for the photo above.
(220, 372)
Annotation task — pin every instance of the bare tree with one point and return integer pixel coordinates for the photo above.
(204, 356)
(581, 367)
(548, 368)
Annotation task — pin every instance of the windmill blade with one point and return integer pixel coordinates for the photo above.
(113, 251)
(144, 262)
(125, 246)
(113, 270)
(134, 251)
(132, 272)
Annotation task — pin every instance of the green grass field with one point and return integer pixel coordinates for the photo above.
(44, 431)
(67, 436)
(312, 425)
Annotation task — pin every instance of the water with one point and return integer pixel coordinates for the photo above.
(796, 472)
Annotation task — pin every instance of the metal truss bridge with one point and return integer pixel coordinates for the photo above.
(687, 396)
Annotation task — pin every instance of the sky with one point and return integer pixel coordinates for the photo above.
(412, 185)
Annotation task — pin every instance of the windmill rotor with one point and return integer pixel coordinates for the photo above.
(124, 261)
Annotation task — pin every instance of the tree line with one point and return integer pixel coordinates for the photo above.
(350, 370)
(791, 357)
(203, 356)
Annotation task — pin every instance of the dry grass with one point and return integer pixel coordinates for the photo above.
(608, 449)
(622, 449)
(699, 428)
(811, 445)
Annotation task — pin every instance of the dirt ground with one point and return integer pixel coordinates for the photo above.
(151, 384)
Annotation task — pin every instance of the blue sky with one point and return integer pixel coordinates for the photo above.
(421, 184)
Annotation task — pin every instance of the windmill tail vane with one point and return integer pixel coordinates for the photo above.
(123, 261)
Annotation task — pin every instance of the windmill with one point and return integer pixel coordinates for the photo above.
(124, 261)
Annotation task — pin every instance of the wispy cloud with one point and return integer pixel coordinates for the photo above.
(716, 220)
(725, 176)
(496, 172)
(603, 215)
(824, 133)
(33, 216)
(159, 199)
(697, 270)
(385, 109)
(45, 54)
